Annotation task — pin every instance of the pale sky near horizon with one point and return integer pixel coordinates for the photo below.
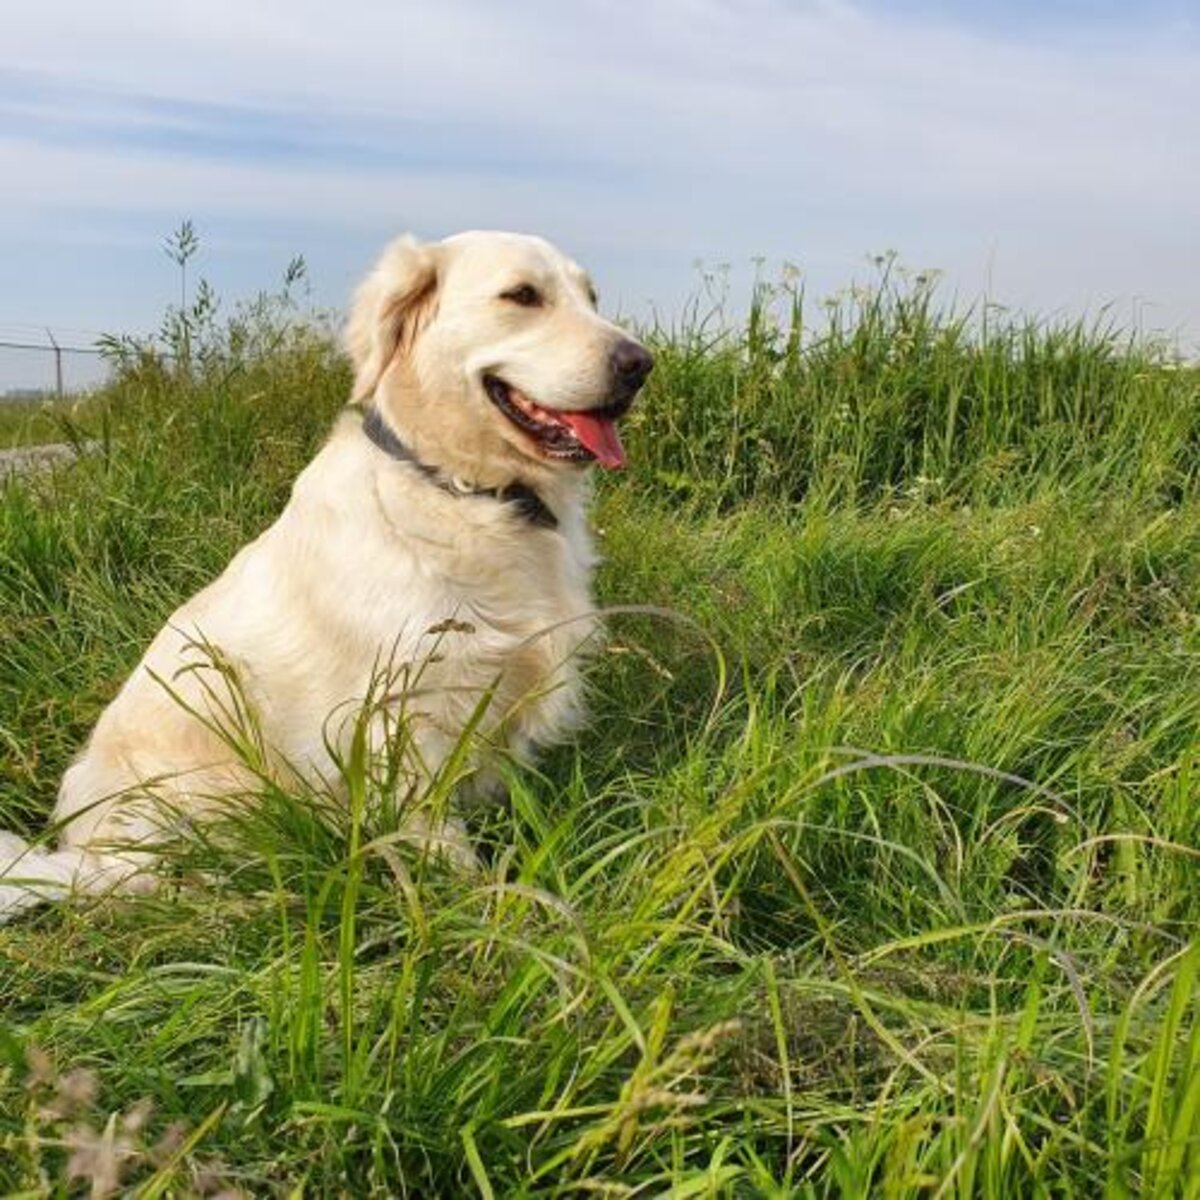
(1045, 154)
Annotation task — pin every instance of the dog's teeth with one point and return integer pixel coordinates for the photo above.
(556, 438)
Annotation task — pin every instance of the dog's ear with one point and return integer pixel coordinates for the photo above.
(393, 304)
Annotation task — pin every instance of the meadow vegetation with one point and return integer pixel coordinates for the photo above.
(876, 872)
(35, 422)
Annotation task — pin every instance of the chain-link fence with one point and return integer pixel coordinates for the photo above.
(31, 368)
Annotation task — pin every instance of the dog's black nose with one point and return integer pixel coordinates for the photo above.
(631, 364)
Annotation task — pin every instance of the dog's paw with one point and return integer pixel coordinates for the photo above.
(447, 840)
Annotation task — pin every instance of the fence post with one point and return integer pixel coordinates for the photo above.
(58, 386)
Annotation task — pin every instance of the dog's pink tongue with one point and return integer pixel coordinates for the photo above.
(599, 435)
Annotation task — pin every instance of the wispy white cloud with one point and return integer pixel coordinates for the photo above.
(643, 135)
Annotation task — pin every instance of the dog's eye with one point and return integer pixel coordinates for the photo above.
(526, 295)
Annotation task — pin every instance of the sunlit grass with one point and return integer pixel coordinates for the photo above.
(877, 871)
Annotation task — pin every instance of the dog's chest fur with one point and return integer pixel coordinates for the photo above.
(459, 596)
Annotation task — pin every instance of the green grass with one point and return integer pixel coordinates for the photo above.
(877, 870)
(33, 422)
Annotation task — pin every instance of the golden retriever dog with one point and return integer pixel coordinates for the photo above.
(441, 531)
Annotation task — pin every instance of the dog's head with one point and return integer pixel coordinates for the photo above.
(487, 351)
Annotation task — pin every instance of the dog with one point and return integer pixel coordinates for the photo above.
(441, 531)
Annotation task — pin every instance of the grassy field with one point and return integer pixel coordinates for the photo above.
(33, 422)
(877, 871)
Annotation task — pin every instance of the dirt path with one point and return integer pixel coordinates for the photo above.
(29, 458)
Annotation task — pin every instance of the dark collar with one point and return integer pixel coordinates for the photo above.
(525, 500)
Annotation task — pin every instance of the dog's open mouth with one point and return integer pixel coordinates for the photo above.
(580, 437)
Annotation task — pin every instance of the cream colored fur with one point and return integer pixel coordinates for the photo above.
(366, 562)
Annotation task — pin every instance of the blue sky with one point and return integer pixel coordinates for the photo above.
(1046, 153)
